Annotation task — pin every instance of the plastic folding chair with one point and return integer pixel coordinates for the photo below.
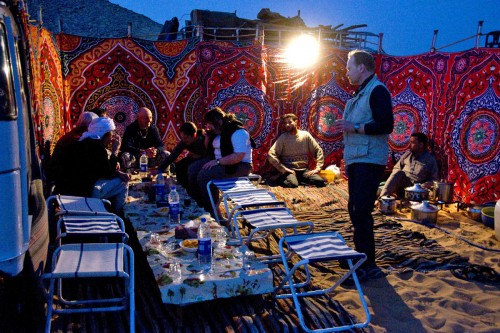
(85, 263)
(262, 222)
(101, 227)
(312, 248)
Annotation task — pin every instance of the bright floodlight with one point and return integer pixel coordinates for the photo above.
(302, 52)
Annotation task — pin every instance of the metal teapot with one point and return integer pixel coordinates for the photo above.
(416, 193)
(387, 205)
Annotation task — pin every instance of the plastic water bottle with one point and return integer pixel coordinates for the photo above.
(204, 245)
(143, 165)
(160, 191)
(174, 206)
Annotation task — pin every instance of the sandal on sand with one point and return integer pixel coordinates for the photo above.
(478, 273)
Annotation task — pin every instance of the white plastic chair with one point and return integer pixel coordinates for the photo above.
(87, 262)
(311, 248)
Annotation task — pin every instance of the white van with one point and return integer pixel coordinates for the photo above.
(23, 214)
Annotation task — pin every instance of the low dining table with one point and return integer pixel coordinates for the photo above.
(180, 278)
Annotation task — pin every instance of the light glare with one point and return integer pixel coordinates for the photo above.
(302, 52)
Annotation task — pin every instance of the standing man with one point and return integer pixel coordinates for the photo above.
(192, 140)
(367, 123)
(143, 136)
(229, 153)
(417, 165)
(290, 156)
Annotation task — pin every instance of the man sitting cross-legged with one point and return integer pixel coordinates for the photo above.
(290, 156)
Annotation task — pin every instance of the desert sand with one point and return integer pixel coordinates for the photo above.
(436, 301)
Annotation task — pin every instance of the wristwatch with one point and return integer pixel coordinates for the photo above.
(218, 161)
(356, 127)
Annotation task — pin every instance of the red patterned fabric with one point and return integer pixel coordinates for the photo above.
(453, 97)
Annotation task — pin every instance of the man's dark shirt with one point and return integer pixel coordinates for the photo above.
(133, 140)
(89, 162)
(60, 153)
(197, 147)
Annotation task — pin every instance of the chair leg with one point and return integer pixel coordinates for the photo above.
(50, 304)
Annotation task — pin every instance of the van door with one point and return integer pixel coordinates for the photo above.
(14, 160)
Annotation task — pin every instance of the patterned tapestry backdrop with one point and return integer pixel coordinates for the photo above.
(453, 97)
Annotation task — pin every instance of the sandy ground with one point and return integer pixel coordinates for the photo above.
(436, 301)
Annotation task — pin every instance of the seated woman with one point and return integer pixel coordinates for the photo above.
(229, 155)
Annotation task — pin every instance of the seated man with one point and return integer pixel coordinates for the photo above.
(143, 136)
(89, 172)
(417, 165)
(290, 156)
(229, 155)
(61, 149)
(193, 140)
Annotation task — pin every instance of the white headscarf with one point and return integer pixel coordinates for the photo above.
(98, 128)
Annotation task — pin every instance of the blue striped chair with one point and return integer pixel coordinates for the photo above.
(100, 227)
(239, 191)
(262, 222)
(85, 263)
(82, 216)
(312, 248)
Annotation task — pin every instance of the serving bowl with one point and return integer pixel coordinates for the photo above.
(488, 216)
(189, 245)
(474, 213)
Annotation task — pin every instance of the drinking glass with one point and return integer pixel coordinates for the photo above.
(155, 239)
(221, 237)
(248, 260)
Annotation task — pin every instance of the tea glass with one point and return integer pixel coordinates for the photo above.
(221, 237)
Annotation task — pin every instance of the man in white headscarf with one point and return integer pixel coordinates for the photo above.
(91, 171)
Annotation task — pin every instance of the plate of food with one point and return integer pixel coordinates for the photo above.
(189, 245)
(162, 211)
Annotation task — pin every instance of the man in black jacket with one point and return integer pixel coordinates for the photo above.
(143, 136)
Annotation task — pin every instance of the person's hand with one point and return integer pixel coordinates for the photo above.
(288, 170)
(343, 125)
(310, 173)
(428, 185)
(151, 152)
(124, 176)
(209, 164)
(116, 142)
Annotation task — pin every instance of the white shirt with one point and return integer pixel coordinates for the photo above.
(241, 144)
